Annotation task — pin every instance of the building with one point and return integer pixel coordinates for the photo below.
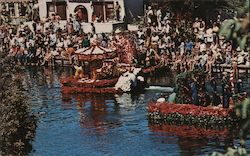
(89, 10)
(100, 12)
(16, 11)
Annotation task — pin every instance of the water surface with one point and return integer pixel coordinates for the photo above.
(92, 124)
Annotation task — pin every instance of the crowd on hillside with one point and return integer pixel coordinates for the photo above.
(183, 44)
(40, 42)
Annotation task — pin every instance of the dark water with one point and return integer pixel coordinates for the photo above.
(85, 124)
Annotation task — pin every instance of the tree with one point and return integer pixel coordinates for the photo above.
(17, 123)
(237, 29)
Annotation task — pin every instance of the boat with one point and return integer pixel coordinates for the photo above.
(73, 85)
(86, 83)
(190, 113)
(106, 75)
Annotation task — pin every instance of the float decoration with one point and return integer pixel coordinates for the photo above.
(95, 53)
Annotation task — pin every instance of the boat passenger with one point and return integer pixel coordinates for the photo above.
(226, 97)
(172, 97)
(216, 100)
(78, 73)
(194, 91)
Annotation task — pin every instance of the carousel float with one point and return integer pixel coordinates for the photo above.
(101, 72)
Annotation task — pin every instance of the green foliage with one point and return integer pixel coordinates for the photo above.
(183, 94)
(17, 124)
(237, 29)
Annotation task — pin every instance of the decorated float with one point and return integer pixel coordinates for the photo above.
(100, 72)
(180, 108)
(189, 113)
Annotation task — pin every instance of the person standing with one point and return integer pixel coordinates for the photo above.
(226, 97)
(225, 92)
(194, 91)
(213, 84)
(159, 17)
(93, 31)
(149, 15)
(117, 11)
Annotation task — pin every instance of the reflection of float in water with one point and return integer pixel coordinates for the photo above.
(192, 139)
(97, 112)
(189, 131)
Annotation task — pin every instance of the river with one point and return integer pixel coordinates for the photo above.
(85, 124)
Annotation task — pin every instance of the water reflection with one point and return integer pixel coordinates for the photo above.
(96, 111)
(192, 139)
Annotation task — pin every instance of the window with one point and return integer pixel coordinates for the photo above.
(52, 8)
(22, 9)
(110, 11)
(104, 11)
(57, 7)
(11, 9)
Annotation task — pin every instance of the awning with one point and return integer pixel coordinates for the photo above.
(15, 1)
(94, 53)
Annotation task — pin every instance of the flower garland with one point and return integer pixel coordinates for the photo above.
(190, 114)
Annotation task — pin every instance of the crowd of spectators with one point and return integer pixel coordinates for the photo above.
(185, 44)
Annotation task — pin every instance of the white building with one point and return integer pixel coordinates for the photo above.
(100, 12)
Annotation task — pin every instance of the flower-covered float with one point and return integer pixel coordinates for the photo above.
(190, 104)
(101, 72)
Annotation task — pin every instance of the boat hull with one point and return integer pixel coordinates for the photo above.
(70, 90)
(72, 85)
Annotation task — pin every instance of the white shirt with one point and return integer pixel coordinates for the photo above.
(140, 33)
(52, 38)
(182, 48)
(203, 47)
(166, 29)
(203, 59)
(155, 39)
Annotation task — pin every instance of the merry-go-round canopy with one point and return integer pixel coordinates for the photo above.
(94, 53)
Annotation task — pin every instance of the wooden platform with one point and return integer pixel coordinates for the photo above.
(227, 68)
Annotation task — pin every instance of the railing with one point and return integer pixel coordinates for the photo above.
(222, 67)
